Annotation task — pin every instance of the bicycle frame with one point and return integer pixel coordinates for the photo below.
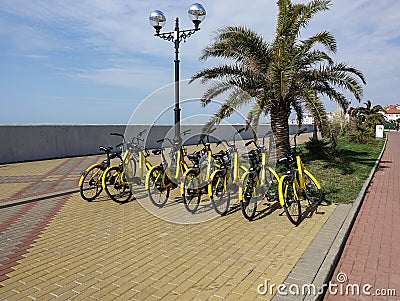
(80, 183)
(167, 175)
(227, 178)
(255, 176)
(197, 169)
(260, 171)
(234, 175)
(143, 163)
(297, 175)
(301, 169)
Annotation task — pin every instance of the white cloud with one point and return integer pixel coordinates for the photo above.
(119, 33)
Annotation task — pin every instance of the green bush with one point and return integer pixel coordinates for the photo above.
(362, 136)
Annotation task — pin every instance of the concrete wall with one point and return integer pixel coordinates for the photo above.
(37, 142)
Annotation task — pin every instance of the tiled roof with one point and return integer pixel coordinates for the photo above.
(392, 109)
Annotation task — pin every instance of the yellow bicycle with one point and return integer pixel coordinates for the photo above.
(114, 178)
(90, 182)
(298, 184)
(259, 182)
(197, 177)
(224, 180)
(160, 179)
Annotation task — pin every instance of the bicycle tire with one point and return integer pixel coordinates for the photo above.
(192, 192)
(130, 170)
(291, 204)
(248, 204)
(115, 185)
(220, 199)
(156, 191)
(312, 193)
(91, 184)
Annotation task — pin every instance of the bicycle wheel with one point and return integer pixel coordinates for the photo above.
(311, 191)
(291, 204)
(90, 187)
(116, 186)
(248, 203)
(158, 194)
(271, 186)
(130, 169)
(192, 192)
(220, 198)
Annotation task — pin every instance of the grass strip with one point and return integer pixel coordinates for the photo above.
(343, 173)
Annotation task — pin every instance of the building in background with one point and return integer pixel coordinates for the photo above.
(309, 119)
(392, 112)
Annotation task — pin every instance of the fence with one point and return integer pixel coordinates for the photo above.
(38, 142)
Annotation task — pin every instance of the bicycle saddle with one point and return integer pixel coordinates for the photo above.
(253, 154)
(195, 157)
(219, 155)
(106, 149)
(156, 151)
(282, 160)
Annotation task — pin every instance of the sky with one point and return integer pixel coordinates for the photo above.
(97, 61)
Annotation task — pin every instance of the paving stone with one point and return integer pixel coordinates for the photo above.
(72, 248)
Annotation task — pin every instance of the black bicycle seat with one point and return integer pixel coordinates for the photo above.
(282, 160)
(156, 151)
(195, 157)
(106, 149)
(219, 155)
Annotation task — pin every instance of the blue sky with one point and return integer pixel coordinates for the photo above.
(94, 62)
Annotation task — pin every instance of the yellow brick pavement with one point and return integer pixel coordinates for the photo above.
(107, 251)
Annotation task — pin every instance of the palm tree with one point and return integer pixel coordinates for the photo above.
(277, 77)
(371, 116)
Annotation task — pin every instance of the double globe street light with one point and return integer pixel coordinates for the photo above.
(196, 13)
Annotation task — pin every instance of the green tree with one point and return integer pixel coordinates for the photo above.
(276, 77)
(371, 116)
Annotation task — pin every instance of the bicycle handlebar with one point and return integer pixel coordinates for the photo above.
(141, 133)
(251, 141)
(117, 134)
(186, 132)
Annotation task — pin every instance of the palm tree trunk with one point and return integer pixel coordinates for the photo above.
(280, 128)
(353, 120)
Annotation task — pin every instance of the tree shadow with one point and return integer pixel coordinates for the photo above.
(342, 159)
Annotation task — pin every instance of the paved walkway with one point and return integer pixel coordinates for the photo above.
(371, 257)
(37, 179)
(63, 247)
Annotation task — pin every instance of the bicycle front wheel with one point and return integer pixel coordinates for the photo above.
(311, 191)
(156, 191)
(116, 186)
(248, 204)
(291, 204)
(90, 187)
(192, 192)
(130, 169)
(220, 198)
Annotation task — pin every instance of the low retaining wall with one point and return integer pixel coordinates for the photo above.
(38, 142)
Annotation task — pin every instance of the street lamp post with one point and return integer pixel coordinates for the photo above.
(196, 13)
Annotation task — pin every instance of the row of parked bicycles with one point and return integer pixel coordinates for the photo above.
(219, 175)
